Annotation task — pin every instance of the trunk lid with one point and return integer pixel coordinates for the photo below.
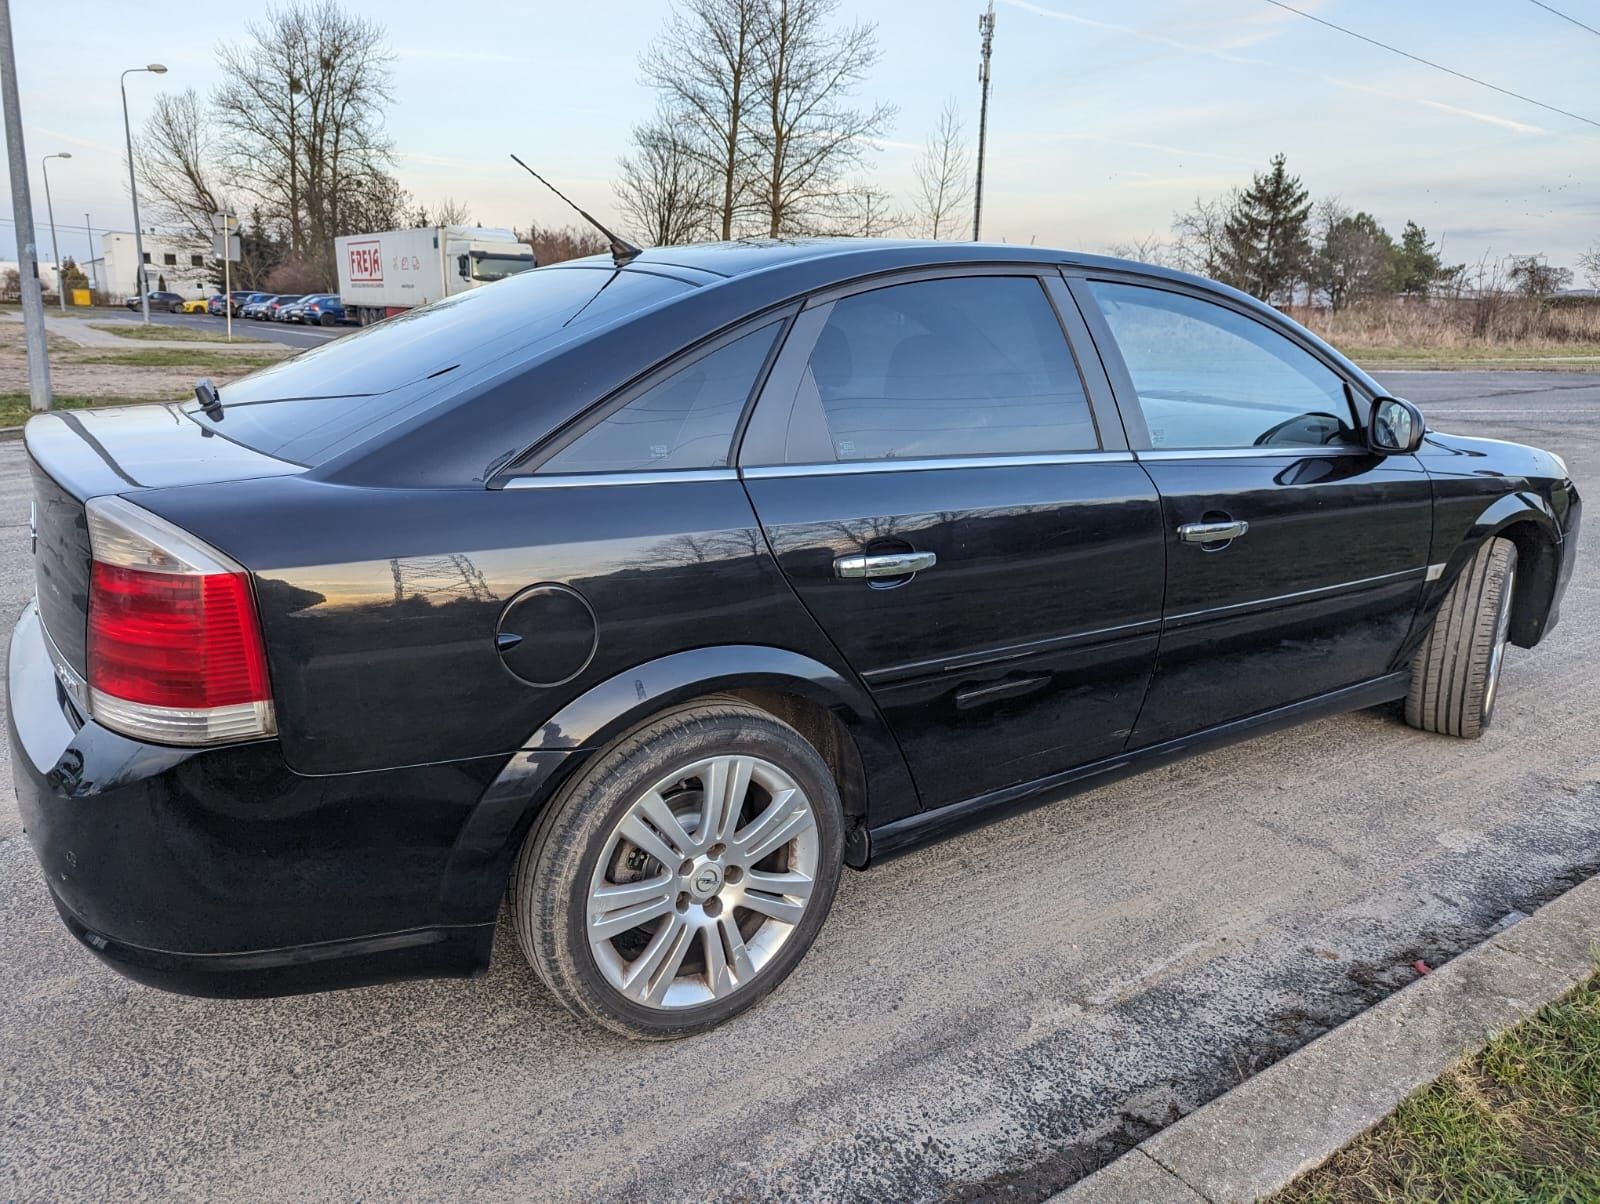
(77, 455)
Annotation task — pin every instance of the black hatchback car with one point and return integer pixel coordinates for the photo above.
(655, 593)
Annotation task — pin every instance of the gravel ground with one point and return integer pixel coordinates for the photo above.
(990, 1018)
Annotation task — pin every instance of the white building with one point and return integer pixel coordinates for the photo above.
(173, 262)
(47, 272)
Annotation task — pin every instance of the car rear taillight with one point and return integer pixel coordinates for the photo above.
(175, 651)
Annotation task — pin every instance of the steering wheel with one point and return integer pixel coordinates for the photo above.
(1316, 429)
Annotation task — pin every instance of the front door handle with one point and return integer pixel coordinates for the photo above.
(884, 564)
(1212, 532)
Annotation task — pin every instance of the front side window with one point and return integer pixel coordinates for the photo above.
(968, 366)
(684, 421)
(1209, 377)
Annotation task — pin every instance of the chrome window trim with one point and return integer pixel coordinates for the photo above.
(1231, 453)
(657, 477)
(853, 467)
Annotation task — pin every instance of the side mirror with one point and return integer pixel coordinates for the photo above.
(464, 266)
(1395, 428)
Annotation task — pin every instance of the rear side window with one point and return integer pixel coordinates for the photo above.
(684, 421)
(1209, 377)
(969, 366)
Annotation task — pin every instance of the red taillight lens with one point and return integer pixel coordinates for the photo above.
(174, 640)
(175, 650)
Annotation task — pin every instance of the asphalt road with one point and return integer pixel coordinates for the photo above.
(275, 332)
(990, 1018)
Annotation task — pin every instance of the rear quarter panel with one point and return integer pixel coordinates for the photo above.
(380, 606)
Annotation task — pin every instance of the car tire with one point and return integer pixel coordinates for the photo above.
(325, 320)
(1455, 675)
(696, 954)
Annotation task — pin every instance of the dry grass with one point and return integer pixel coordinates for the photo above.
(1501, 322)
(1518, 1122)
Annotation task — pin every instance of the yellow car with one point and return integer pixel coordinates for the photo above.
(191, 307)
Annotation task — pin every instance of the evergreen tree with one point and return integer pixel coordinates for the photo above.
(1266, 249)
(1418, 266)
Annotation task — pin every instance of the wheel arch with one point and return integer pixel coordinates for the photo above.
(1526, 519)
(831, 710)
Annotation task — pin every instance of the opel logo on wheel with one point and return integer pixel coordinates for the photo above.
(707, 879)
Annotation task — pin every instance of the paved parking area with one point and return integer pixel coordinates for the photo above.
(989, 1018)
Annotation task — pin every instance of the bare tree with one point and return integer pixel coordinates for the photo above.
(703, 65)
(1152, 248)
(176, 158)
(858, 211)
(1199, 234)
(667, 192)
(944, 178)
(451, 212)
(808, 137)
(301, 113)
(1589, 265)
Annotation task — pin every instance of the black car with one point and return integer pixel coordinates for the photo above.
(165, 301)
(655, 593)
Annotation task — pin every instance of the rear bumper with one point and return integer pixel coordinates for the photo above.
(222, 872)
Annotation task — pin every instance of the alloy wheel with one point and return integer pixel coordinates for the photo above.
(702, 881)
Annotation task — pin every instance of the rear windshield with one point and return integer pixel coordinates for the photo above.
(327, 400)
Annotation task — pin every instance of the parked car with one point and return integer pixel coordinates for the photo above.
(291, 311)
(323, 309)
(273, 309)
(193, 305)
(216, 305)
(237, 298)
(159, 299)
(253, 304)
(654, 593)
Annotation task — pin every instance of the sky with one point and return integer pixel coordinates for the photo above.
(1105, 116)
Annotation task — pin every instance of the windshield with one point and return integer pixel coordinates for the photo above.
(327, 400)
(495, 265)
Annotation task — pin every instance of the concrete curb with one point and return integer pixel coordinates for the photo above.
(1257, 1138)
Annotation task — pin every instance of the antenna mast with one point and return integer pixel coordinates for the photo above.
(621, 249)
(986, 28)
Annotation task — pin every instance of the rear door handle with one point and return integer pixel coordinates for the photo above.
(885, 564)
(1212, 532)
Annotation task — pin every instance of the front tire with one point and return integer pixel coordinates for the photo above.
(683, 873)
(1455, 676)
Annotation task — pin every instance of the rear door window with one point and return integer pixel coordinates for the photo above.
(968, 366)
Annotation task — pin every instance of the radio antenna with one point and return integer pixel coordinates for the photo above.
(622, 251)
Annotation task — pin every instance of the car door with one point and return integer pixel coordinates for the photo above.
(955, 504)
(1295, 556)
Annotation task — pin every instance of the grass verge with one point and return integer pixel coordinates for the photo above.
(1583, 357)
(159, 332)
(15, 408)
(1518, 1122)
(200, 360)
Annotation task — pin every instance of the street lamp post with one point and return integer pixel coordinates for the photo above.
(94, 277)
(55, 250)
(133, 187)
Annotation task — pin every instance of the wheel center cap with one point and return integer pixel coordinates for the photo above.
(705, 881)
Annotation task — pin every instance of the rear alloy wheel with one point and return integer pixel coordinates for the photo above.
(684, 873)
(1455, 676)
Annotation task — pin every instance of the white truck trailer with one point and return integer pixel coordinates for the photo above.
(396, 270)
